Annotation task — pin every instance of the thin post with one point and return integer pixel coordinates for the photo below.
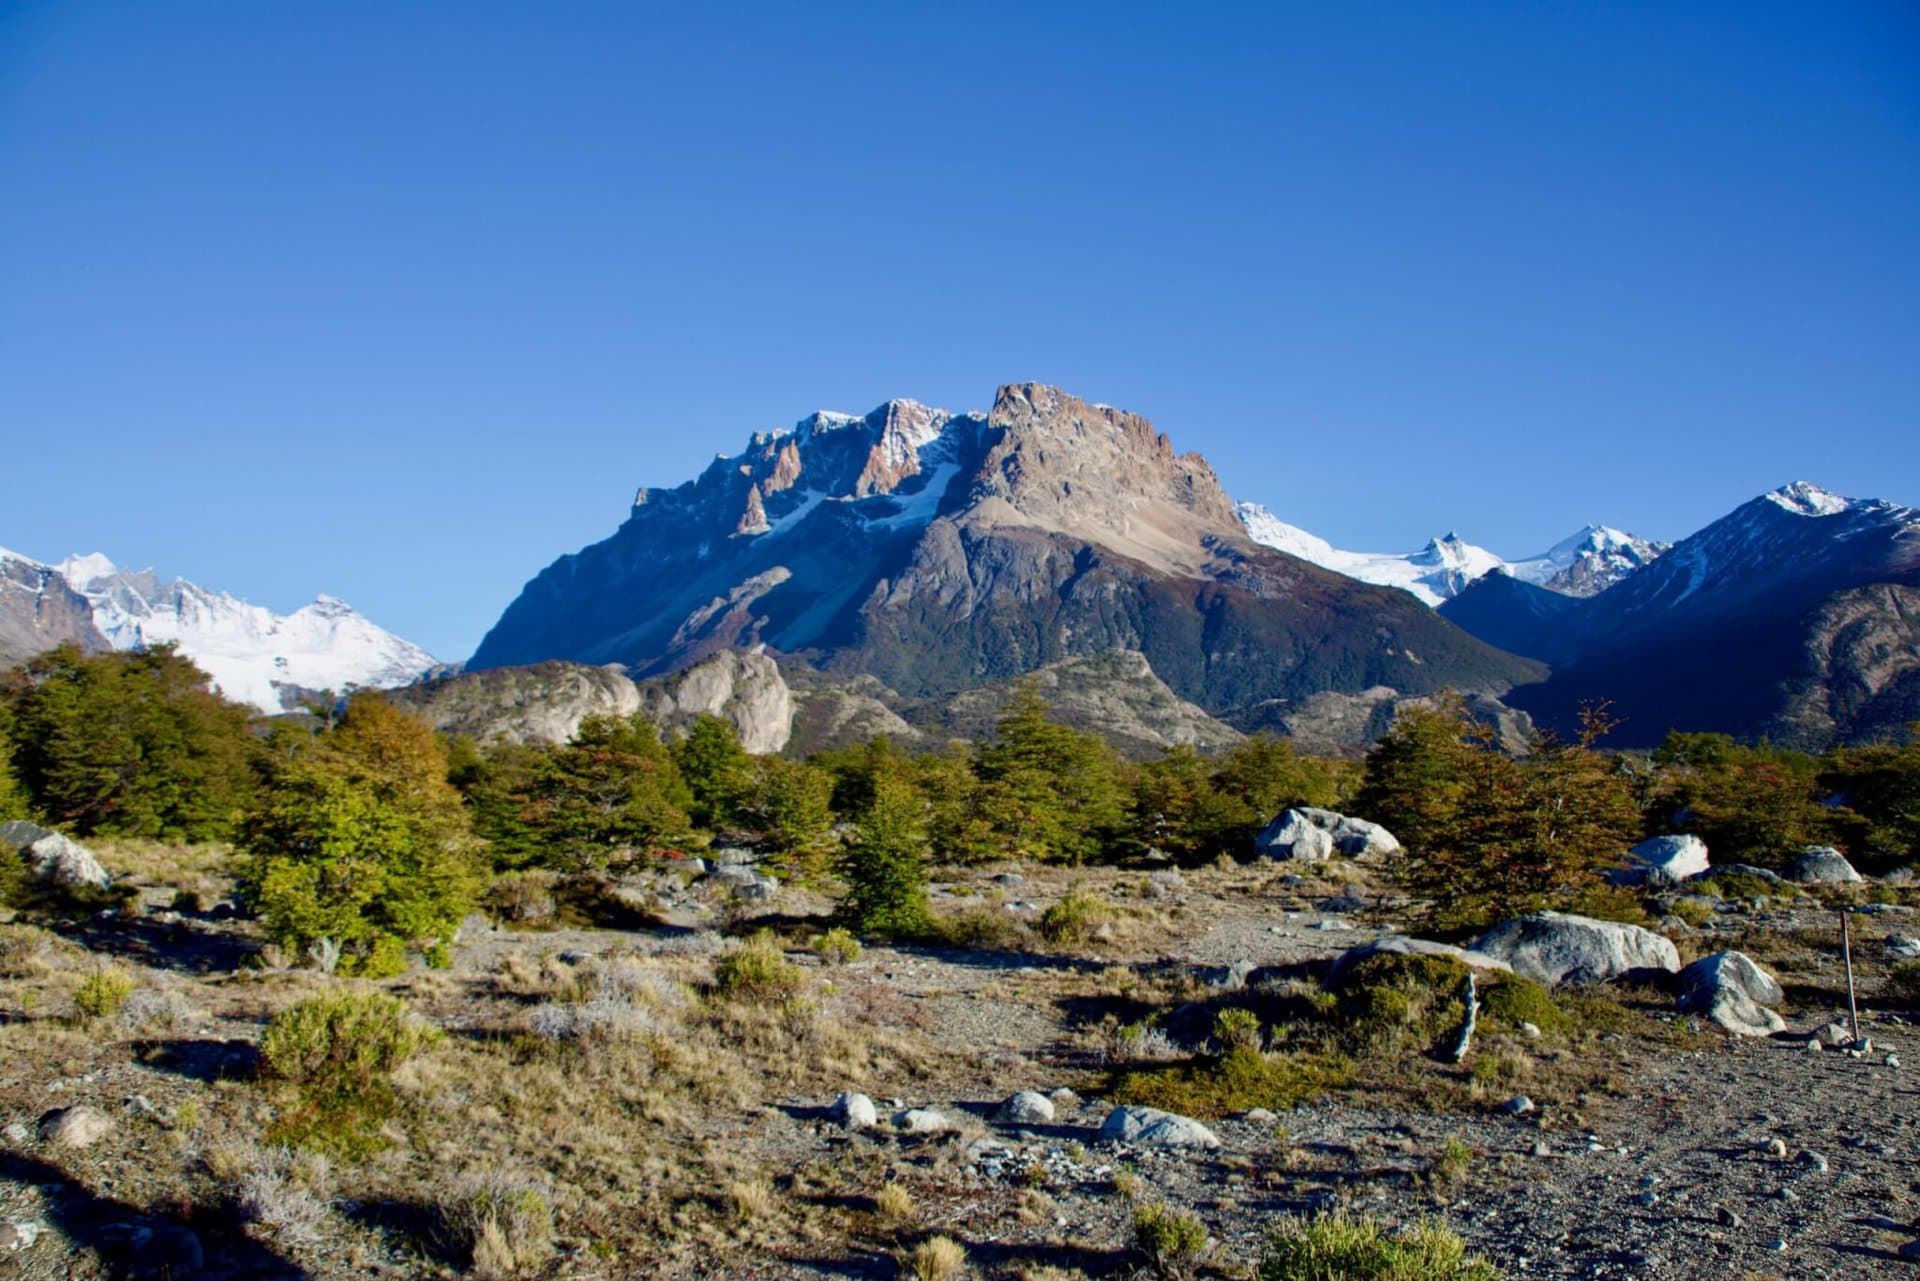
(1846, 950)
(1470, 998)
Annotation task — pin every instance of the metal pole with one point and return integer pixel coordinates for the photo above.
(1846, 950)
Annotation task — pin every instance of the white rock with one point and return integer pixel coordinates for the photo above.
(1291, 836)
(853, 1111)
(1823, 865)
(1028, 1107)
(1294, 836)
(55, 860)
(1734, 992)
(1556, 948)
(922, 1121)
(1667, 860)
(1154, 1127)
(76, 1127)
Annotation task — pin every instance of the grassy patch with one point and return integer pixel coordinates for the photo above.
(1338, 1248)
(1240, 1079)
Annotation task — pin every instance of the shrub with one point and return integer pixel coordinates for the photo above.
(1237, 1029)
(1075, 919)
(837, 947)
(1390, 1001)
(937, 1259)
(1338, 1248)
(1236, 1081)
(884, 863)
(893, 1205)
(1451, 1162)
(102, 994)
(274, 1189)
(1693, 912)
(981, 929)
(758, 971)
(524, 897)
(1171, 1240)
(1512, 1000)
(502, 1222)
(337, 1054)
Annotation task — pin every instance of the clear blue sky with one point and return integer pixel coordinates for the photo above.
(400, 301)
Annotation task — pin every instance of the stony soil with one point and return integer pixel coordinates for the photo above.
(1688, 1153)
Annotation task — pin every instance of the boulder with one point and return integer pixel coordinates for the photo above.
(1903, 947)
(1028, 1107)
(922, 1121)
(1293, 836)
(76, 1127)
(1556, 948)
(1668, 860)
(53, 859)
(853, 1111)
(1731, 990)
(1401, 945)
(1740, 869)
(1289, 836)
(1155, 1128)
(1823, 865)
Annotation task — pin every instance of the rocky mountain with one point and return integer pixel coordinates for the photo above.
(269, 661)
(1790, 616)
(40, 610)
(939, 553)
(1584, 564)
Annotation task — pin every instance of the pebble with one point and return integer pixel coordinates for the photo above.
(1530, 1031)
(18, 1236)
(1518, 1105)
(1812, 1160)
(1728, 1219)
(1543, 1149)
(1777, 1148)
(1893, 1060)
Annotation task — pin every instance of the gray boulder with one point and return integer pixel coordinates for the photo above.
(853, 1111)
(53, 859)
(1155, 1128)
(1823, 865)
(1667, 860)
(1028, 1107)
(1556, 948)
(1288, 836)
(1402, 945)
(1294, 836)
(1731, 990)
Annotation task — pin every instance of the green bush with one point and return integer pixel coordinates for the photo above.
(1392, 1001)
(102, 994)
(1172, 1241)
(837, 947)
(1338, 1248)
(1234, 1082)
(1075, 919)
(1693, 912)
(1512, 1000)
(1237, 1029)
(758, 971)
(336, 1055)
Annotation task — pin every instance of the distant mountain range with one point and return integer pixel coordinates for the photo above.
(1585, 564)
(269, 661)
(900, 572)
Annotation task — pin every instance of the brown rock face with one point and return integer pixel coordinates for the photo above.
(39, 610)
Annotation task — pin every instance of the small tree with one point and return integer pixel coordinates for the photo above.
(884, 864)
(717, 770)
(363, 842)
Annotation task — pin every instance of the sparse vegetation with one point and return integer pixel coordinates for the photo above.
(1172, 1241)
(335, 1055)
(937, 1259)
(758, 971)
(1339, 1248)
(102, 993)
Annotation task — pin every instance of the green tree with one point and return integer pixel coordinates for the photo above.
(611, 795)
(790, 805)
(717, 770)
(1757, 804)
(1049, 790)
(1178, 807)
(884, 863)
(362, 841)
(133, 744)
(14, 802)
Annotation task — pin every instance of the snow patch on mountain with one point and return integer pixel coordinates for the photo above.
(254, 655)
(1803, 498)
(1581, 565)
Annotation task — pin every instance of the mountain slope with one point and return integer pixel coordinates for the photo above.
(254, 656)
(1583, 565)
(1791, 615)
(940, 553)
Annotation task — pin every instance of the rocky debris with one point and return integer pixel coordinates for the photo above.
(1732, 991)
(1823, 865)
(1028, 1107)
(922, 1121)
(53, 859)
(853, 1111)
(79, 1126)
(1403, 945)
(1667, 860)
(1290, 836)
(1557, 948)
(19, 1236)
(1152, 1127)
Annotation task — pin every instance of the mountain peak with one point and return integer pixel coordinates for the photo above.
(1804, 498)
(83, 570)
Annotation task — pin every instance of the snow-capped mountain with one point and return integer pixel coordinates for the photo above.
(1796, 615)
(1587, 563)
(39, 610)
(254, 655)
(939, 553)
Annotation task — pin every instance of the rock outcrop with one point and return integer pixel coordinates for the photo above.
(39, 610)
(1823, 865)
(1312, 835)
(53, 860)
(1556, 948)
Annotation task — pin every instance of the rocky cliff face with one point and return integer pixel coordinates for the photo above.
(939, 553)
(40, 610)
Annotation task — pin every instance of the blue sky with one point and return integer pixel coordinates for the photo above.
(400, 301)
